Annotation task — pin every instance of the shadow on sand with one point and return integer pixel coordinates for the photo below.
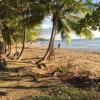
(3, 93)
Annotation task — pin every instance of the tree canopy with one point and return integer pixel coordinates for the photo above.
(18, 17)
(91, 21)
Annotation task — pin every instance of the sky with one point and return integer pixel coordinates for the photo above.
(96, 1)
(47, 28)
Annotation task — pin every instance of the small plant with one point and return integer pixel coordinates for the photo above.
(60, 71)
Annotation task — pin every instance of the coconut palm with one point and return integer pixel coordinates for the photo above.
(65, 14)
(30, 19)
(22, 16)
(7, 37)
(5, 15)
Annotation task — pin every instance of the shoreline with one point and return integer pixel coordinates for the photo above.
(46, 46)
(88, 45)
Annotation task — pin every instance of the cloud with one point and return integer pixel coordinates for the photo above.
(46, 24)
(47, 28)
(96, 34)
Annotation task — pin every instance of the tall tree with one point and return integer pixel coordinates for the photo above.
(21, 15)
(65, 14)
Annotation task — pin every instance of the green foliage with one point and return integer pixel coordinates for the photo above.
(44, 97)
(65, 93)
(91, 21)
(20, 14)
(7, 35)
(65, 15)
(86, 33)
(62, 70)
(32, 35)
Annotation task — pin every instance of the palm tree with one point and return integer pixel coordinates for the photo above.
(65, 14)
(30, 19)
(5, 15)
(6, 34)
(22, 16)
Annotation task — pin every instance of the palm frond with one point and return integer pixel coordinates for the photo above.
(66, 35)
(87, 33)
(72, 17)
(66, 32)
(31, 21)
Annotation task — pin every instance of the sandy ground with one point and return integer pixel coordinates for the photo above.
(75, 59)
(17, 82)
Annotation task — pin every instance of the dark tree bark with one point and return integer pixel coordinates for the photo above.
(2, 59)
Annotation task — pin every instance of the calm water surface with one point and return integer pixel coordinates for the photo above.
(91, 45)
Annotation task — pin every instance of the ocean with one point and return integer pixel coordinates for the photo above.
(82, 44)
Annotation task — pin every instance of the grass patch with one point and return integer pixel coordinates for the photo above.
(44, 97)
(65, 93)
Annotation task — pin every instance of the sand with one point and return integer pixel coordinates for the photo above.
(19, 82)
(74, 59)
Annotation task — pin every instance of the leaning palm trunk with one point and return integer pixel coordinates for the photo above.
(9, 44)
(16, 51)
(16, 48)
(50, 51)
(2, 53)
(9, 49)
(23, 46)
(6, 33)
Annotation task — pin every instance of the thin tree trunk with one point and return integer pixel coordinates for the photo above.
(24, 39)
(9, 46)
(16, 47)
(50, 47)
(16, 52)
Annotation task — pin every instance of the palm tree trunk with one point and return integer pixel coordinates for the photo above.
(50, 49)
(24, 38)
(9, 46)
(15, 47)
(23, 46)
(16, 52)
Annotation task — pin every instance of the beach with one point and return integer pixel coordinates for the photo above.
(75, 58)
(19, 80)
(81, 44)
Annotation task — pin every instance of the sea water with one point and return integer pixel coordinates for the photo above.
(83, 44)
